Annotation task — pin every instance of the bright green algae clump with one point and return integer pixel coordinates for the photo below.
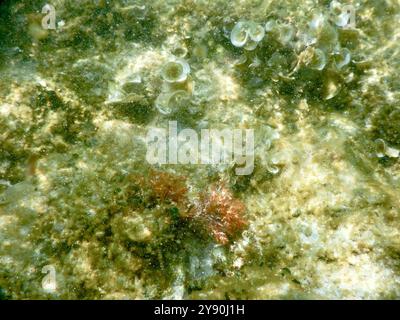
(317, 218)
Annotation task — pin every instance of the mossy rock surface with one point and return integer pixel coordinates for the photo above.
(317, 218)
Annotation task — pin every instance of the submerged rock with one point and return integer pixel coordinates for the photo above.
(316, 218)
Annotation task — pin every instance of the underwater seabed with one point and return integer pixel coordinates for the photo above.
(84, 215)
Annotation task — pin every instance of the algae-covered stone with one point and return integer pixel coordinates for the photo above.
(317, 218)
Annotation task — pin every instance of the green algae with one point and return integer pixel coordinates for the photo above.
(76, 192)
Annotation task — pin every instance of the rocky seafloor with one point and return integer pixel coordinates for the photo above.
(319, 216)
